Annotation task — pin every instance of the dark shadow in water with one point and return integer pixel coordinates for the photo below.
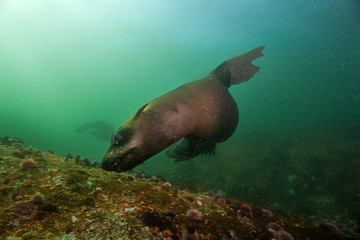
(99, 129)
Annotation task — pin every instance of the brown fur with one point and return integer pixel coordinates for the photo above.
(203, 112)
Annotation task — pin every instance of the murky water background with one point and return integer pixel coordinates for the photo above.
(64, 64)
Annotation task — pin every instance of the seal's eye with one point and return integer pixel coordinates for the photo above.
(117, 137)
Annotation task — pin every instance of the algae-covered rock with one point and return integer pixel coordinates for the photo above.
(62, 200)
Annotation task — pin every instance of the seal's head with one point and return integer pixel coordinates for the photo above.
(134, 142)
(122, 154)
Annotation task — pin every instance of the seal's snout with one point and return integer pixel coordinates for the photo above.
(119, 160)
(105, 164)
(109, 161)
(111, 164)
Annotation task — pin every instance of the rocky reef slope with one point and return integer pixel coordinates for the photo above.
(46, 196)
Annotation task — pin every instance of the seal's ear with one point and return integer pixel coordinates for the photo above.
(141, 110)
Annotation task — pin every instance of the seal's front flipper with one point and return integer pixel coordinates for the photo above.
(207, 148)
(186, 149)
(181, 150)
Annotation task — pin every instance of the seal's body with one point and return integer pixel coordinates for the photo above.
(201, 112)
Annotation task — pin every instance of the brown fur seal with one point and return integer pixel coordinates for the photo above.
(201, 112)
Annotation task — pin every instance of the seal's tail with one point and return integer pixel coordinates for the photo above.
(238, 69)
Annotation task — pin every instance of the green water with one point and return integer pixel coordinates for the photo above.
(66, 63)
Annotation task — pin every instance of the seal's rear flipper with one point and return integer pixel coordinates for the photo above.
(186, 149)
(238, 69)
